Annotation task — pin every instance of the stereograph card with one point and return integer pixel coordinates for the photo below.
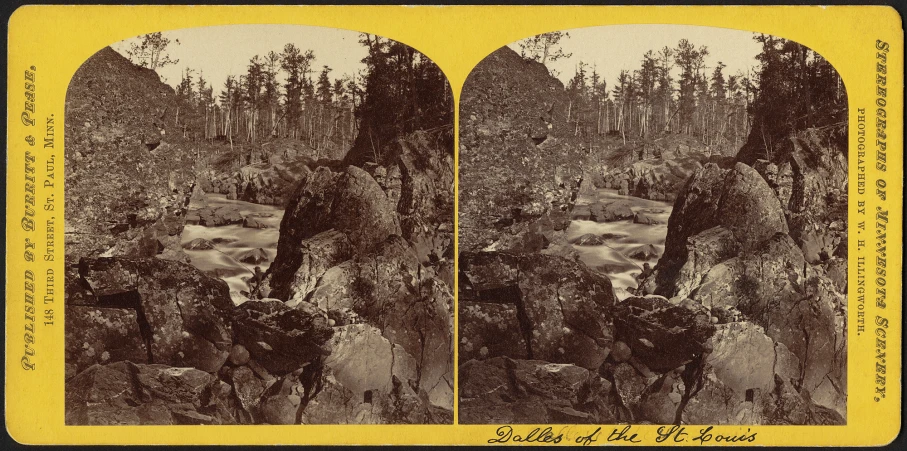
(587, 225)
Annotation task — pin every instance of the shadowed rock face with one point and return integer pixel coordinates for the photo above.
(739, 200)
(512, 119)
(426, 202)
(350, 202)
(282, 339)
(129, 174)
(661, 335)
(766, 244)
(561, 308)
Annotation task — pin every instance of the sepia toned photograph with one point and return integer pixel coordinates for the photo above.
(653, 230)
(259, 230)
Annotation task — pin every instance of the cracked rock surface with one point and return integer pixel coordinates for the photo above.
(562, 309)
(353, 321)
(741, 321)
(170, 310)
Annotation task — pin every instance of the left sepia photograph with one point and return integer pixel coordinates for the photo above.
(259, 230)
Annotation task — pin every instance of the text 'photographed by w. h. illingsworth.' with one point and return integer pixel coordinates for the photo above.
(259, 230)
(653, 230)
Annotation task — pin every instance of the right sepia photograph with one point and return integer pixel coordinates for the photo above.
(653, 230)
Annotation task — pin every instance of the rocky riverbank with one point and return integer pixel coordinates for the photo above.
(656, 169)
(741, 321)
(351, 323)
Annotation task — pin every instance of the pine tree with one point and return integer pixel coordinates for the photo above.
(252, 95)
(402, 91)
(151, 52)
(338, 89)
(296, 65)
(324, 86)
(227, 99)
(691, 61)
(544, 47)
(797, 89)
(271, 95)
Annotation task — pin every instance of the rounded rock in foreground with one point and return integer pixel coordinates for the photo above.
(620, 352)
(239, 355)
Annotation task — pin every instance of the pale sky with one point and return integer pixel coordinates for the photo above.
(226, 50)
(617, 47)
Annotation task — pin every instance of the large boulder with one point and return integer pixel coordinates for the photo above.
(728, 249)
(743, 357)
(611, 211)
(808, 171)
(589, 239)
(797, 306)
(281, 338)
(336, 404)
(363, 360)
(519, 162)
(334, 292)
(738, 199)
(129, 173)
(180, 316)
(390, 289)
(562, 307)
(413, 309)
(215, 216)
(318, 254)
(350, 202)
(662, 335)
(253, 256)
(704, 250)
(199, 244)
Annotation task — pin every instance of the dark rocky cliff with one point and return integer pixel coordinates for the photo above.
(129, 174)
(520, 170)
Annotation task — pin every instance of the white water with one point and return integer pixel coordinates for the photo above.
(223, 258)
(621, 269)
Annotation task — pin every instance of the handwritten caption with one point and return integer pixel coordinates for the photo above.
(627, 434)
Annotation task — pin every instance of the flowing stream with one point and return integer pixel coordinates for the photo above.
(233, 240)
(621, 238)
